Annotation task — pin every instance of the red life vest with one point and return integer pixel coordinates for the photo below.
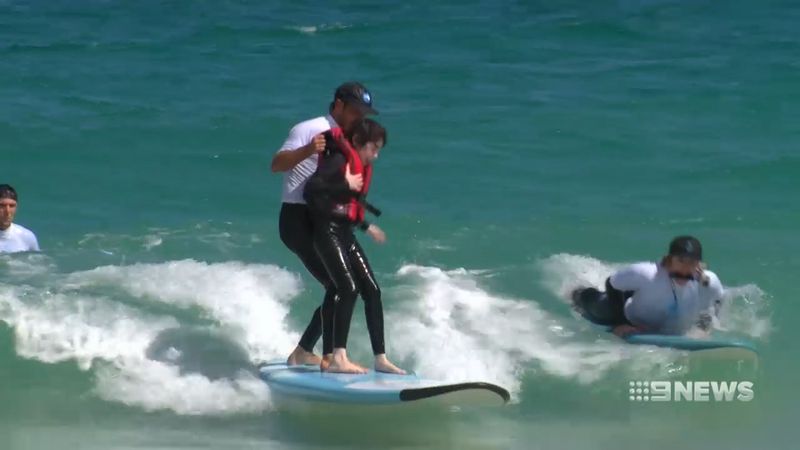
(354, 208)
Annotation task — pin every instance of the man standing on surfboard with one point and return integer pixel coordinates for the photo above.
(669, 297)
(297, 159)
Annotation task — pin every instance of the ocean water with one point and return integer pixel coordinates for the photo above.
(533, 146)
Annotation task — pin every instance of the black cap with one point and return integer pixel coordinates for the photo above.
(6, 191)
(686, 247)
(355, 93)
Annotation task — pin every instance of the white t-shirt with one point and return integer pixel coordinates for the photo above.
(17, 238)
(301, 134)
(660, 304)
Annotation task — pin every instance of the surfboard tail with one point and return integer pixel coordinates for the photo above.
(467, 393)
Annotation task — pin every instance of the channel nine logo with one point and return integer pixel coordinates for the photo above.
(690, 391)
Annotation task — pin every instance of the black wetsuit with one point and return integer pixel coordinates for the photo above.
(297, 233)
(603, 308)
(342, 256)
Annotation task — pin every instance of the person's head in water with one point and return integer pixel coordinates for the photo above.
(8, 206)
(684, 260)
(368, 138)
(351, 103)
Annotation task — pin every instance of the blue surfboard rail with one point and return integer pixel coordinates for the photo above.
(306, 382)
(689, 343)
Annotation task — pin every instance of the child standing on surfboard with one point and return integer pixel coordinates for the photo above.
(669, 297)
(336, 196)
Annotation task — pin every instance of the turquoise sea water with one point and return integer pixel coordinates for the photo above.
(533, 146)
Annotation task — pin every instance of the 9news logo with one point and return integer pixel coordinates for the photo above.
(690, 391)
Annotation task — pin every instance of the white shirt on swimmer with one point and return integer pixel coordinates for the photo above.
(660, 304)
(17, 238)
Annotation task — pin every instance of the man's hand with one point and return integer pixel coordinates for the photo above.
(626, 330)
(317, 145)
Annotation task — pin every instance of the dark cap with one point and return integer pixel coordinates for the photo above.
(686, 247)
(355, 93)
(6, 191)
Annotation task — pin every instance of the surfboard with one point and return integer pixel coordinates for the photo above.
(715, 341)
(308, 383)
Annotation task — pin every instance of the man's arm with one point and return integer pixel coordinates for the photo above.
(294, 152)
(286, 160)
(632, 278)
(622, 285)
(712, 309)
(32, 242)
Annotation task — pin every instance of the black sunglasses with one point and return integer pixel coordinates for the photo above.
(680, 276)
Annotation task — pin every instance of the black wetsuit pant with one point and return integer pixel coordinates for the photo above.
(603, 308)
(347, 266)
(297, 233)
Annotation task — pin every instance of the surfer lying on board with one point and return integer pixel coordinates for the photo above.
(336, 196)
(670, 297)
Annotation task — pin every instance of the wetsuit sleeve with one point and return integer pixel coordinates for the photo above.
(330, 177)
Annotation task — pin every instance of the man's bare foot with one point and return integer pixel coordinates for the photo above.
(300, 357)
(382, 364)
(340, 363)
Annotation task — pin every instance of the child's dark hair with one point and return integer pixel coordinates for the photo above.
(367, 130)
(6, 191)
